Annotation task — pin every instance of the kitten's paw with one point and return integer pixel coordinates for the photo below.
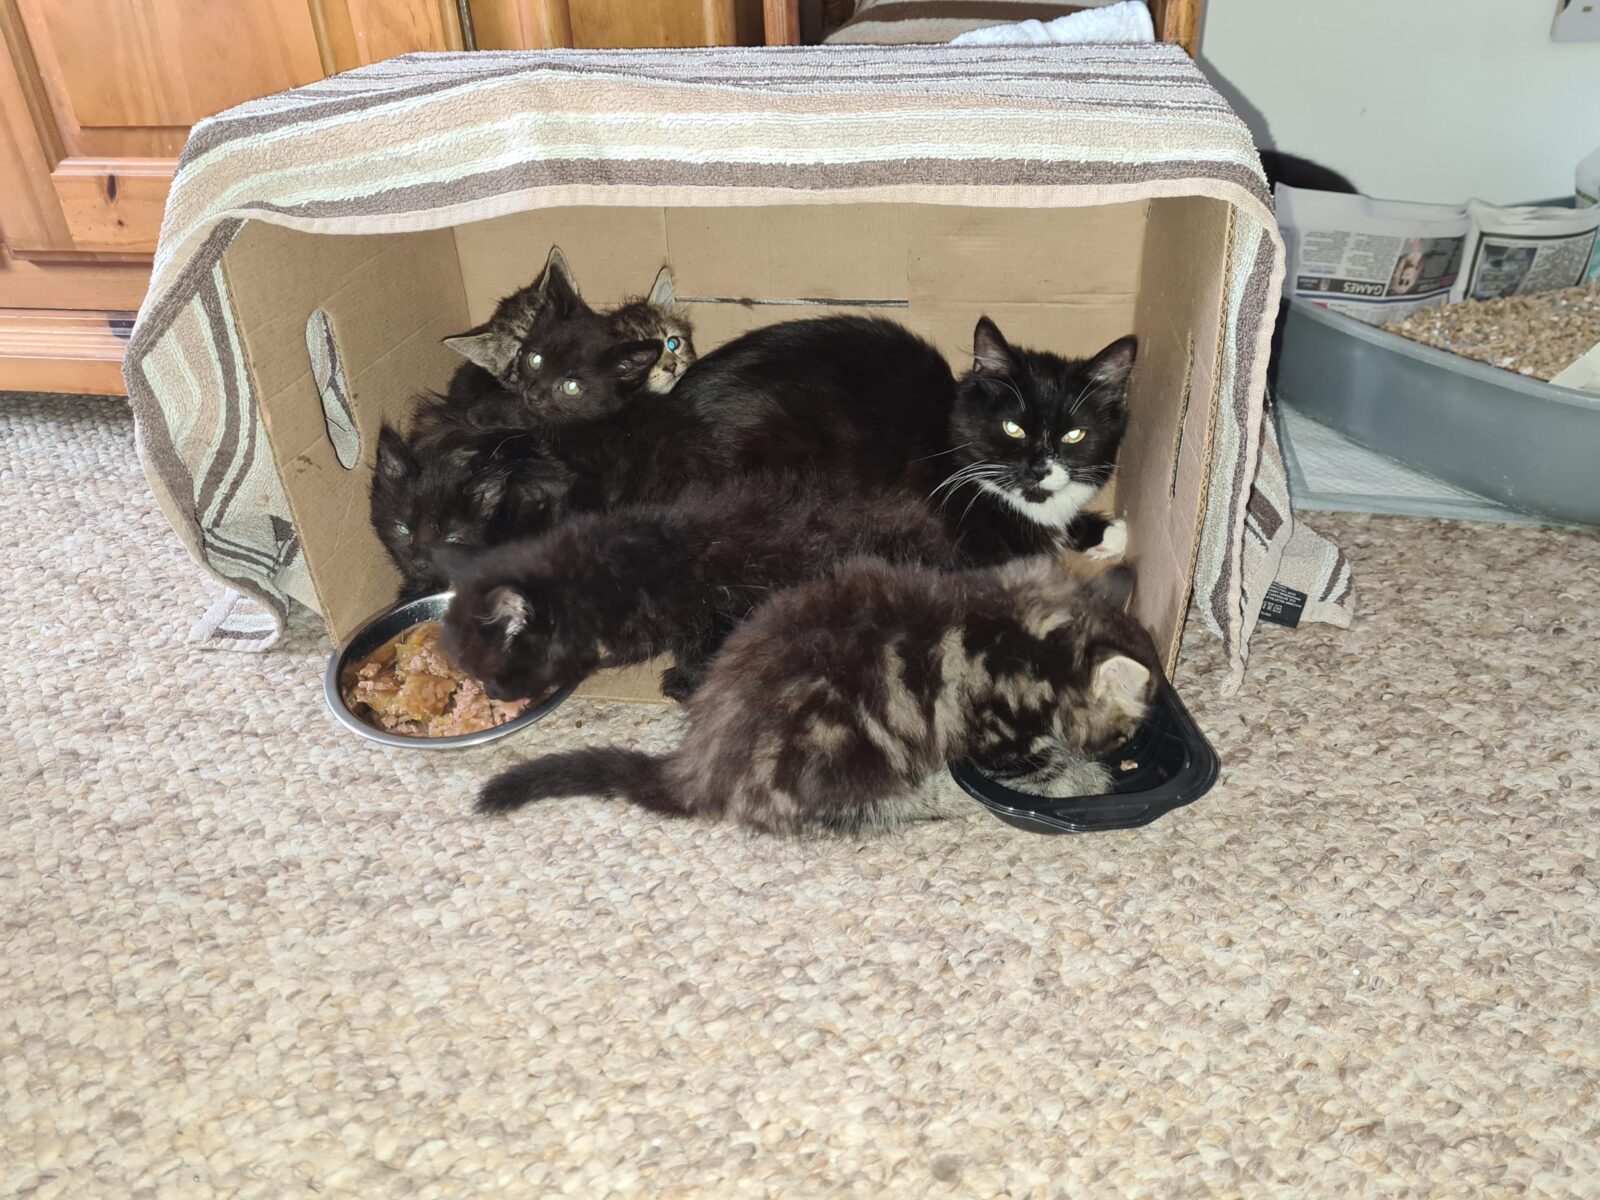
(1113, 542)
(679, 684)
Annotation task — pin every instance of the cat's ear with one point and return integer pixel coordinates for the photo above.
(557, 288)
(991, 354)
(1113, 586)
(663, 293)
(1123, 683)
(492, 349)
(395, 461)
(1113, 365)
(556, 266)
(631, 361)
(508, 608)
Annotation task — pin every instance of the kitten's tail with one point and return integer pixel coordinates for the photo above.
(607, 771)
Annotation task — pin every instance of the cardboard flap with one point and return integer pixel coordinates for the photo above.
(1166, 455)
(388, 300)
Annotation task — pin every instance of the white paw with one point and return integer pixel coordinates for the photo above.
(1113, 543)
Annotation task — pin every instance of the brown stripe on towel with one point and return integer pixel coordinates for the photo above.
(1266, 514)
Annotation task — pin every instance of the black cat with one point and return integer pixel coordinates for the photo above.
(609, 589)
(1032, 437)
(467, 492)
(564, 361)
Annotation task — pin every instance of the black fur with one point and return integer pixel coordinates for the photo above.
(564, 361)
(1010, 495)
(622, 587)
(464, 491)
(868, 403)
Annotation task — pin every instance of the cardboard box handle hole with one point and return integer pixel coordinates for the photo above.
(328, 372)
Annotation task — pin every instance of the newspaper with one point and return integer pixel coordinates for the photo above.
(1513, 251)
(1374, 260)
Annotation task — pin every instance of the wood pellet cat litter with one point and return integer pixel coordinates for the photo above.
(1538, 335)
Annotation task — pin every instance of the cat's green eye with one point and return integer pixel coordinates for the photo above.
(1013, 430)
(1073, 436)
(535, 360)
(402, 529)
(673, 344)
(571, 387)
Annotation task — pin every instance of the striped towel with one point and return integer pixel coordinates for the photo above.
(428, 141)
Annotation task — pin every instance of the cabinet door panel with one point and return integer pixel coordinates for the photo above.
(165, 64)
(357, 32)
(603, 24)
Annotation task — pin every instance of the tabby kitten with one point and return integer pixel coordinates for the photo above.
(465, 493)
(624, 586)
(658, 316)
(834, 704)
(563, 360)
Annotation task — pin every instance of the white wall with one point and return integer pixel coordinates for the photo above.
(1413, 99)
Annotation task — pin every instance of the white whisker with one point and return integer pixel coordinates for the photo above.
(939, 453)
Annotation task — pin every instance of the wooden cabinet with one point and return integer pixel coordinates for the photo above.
(97, 97)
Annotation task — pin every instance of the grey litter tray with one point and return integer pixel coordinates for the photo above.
(1530, 445)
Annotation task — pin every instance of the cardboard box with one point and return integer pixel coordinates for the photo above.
(1063, 279)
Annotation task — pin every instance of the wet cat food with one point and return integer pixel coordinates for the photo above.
(408, 686)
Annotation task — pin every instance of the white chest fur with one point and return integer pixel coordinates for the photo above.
(1056, 510)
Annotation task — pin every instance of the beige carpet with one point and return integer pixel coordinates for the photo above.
(245, 955)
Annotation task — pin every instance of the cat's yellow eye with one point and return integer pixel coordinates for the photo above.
(673, 344)
(535, 360)
(571, 387)
(1073, 436)
(1013, 430)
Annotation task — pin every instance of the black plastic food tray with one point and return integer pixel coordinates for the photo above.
(1174, 765)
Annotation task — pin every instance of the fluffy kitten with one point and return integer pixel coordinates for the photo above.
(622, 587)
(561, 358)
(658, 316)
(835, 702)
(468, 493)
(853, 398)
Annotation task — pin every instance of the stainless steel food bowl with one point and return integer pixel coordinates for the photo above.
(379, 630)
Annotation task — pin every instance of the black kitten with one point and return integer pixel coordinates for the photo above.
(1032, 437)
(622, 587)
(838, 703)
(467, 495)
(561, 358)
(854, 398)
